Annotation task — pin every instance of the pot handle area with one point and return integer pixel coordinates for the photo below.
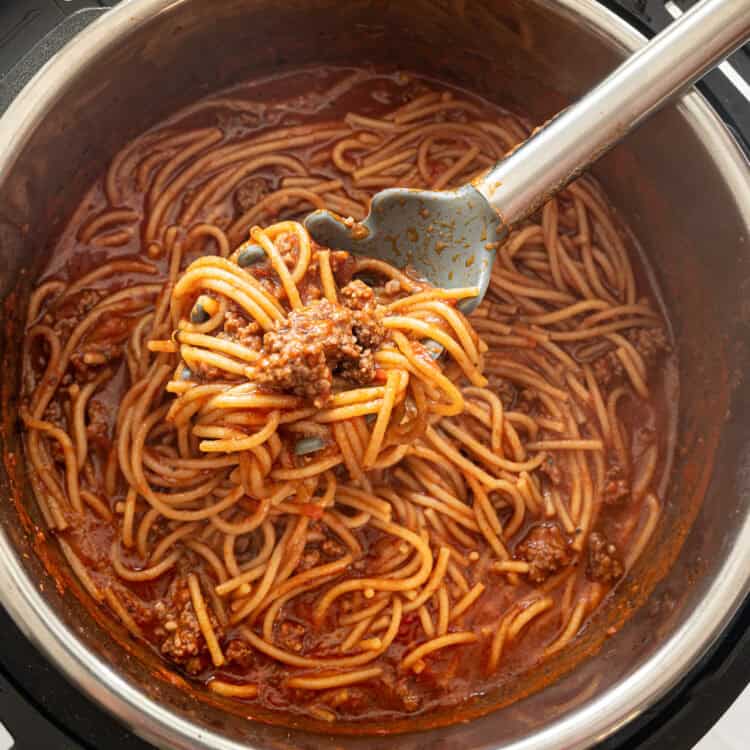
(689, 711)
(33, 31)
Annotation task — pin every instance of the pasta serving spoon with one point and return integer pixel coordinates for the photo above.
(449, 237)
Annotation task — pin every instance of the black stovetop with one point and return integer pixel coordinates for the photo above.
(41, 710)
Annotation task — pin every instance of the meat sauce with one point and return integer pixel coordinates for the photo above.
(302, 358)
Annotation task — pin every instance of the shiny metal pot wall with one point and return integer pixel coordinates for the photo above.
(680, 182)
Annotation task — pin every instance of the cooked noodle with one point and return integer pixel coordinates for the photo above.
(357, 528)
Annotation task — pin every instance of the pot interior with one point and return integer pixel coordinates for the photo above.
(529, 56)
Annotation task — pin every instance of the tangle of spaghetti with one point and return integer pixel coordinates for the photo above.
(271, 459)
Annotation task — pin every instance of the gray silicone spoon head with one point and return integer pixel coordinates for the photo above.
(449, 237)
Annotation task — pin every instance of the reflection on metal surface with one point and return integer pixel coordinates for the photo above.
(584, 690)
(726, 67)
(6, 740)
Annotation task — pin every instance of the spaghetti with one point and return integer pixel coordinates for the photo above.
(306, 478)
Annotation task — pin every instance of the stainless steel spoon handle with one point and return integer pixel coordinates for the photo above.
(557, 153)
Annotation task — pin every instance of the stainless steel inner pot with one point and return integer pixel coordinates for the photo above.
(680, 182)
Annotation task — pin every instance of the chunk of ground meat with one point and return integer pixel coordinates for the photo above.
(240, 653)
(528, 400)
(242, 330)
(184, 643)
(332, 548)
(368, 328)
(311, 292)
(88, 361)
(546, 550)
(552, 470)
(356, 295)
(343, 264)
(291, 636)
(604, 564)
(249, 193)
(650, 343)
(350, 698)
(309, 559)
(97, 429)
(367, 315)
(505, 390)
(607, 369)
(616, 486)
(303, 351)
(359, 371)
(69, 313)
(54, 413)
(410, 700)
(143, 613)
(274, 289)
(209, 372)
(287, 244)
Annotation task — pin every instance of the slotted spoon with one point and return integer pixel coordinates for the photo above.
(449, 237)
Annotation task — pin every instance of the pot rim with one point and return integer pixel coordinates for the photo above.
(592, 722)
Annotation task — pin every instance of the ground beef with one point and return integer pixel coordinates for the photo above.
(245, 332)
(409, 698)
(505, 390)
(143, 613)
(527, 401)
(343, 264)
(291, 636)
(359, 371)
(287, 244)
(650, 343)
(616, 487)
(607, 369)
(367, 315)
(332, 548)
(250, 193)
(54, 413)
(311, 292)
(184, 643)
(274, 289)
(240, 653)
(97, 429)
(105, 344)
(69, 313)
(368, 328)
(309, 559)
(88, 361)
(209, 372)
(546, 550)
(552, 470)
(304, 351)
(604, 564)
(356, 295)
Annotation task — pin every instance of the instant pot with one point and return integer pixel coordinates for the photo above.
(681, 182)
